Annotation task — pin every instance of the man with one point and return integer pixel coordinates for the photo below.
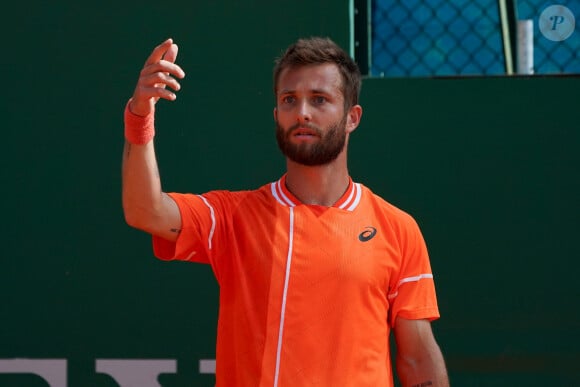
(314, 269)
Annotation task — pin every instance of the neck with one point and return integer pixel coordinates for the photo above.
(320, 185)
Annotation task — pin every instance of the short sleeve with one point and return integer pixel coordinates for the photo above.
(412, 293)
(194, 240)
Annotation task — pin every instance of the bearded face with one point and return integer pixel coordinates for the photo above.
(325, 149)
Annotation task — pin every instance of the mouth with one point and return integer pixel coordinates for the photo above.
(304, 133)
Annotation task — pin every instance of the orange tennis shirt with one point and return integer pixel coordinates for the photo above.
(308, 294)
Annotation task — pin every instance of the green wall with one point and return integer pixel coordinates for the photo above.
(489, 168)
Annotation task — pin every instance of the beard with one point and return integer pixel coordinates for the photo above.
(324, 151)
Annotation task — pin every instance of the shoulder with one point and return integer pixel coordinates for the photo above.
(226, 198)
(400, 222)
(383, 207)
(234, 199)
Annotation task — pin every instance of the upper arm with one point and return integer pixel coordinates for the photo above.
(167, 224)
(413, 336)
(162, 220)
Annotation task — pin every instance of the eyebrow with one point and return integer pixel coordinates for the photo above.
(312, 91)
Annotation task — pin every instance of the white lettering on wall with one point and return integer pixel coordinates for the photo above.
(136, 373)
(207, 366)
(126, 372)
(53, 371)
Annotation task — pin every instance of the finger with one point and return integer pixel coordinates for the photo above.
(160, 80)
(145, 97)
(146, 93)
(170, 57)
(166, 80)
(171, 53)
(159, 51)
(163, 67)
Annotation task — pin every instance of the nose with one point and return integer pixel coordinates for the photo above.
(304, 112)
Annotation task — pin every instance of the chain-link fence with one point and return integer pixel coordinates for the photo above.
(462, 37)
(555, 52)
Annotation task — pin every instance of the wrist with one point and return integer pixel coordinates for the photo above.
(139, 130)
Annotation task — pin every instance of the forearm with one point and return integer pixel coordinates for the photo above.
(142, 195)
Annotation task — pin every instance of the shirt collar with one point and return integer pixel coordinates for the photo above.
(349, 201)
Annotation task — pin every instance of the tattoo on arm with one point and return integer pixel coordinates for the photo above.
(424, 384)
(176, 230)
(127, 149)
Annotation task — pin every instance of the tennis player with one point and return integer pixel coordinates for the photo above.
(315, 271)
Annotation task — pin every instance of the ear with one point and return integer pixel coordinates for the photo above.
(275, 114)
(353, 118)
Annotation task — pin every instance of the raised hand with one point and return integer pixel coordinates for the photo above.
(158, 73)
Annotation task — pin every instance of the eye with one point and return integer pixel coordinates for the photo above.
(319, 100)
(288, 99)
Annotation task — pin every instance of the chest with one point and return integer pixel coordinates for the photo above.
(329, 248)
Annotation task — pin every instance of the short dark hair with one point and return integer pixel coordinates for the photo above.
(319, 50)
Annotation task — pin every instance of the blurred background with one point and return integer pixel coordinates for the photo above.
(482, 151)
(465, 37)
